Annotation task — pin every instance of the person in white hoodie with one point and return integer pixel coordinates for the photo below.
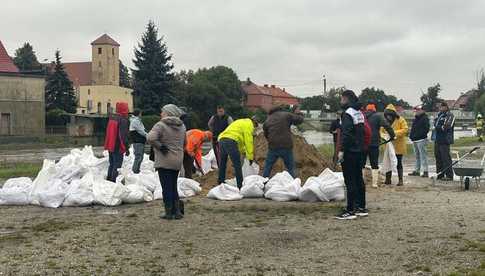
(138, 139)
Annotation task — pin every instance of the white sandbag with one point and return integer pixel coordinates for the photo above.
(146, 179)
(158, 193)
(253, 186)
(209, 162)
(389, 159)
(284, 191)
(54, 195)
(136, 194)
(108, 193)
(80, 192)
(225, 192)
(328, 186)
(280, 178)
(16, 191)
(231, 181)
(310, 192)
(187, 187)
(248, 170)
(42, 182)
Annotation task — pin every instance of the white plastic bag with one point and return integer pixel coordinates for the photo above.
(80, 192)
(253, 186)
(54, 195)
(248, 170)
(42, 182)
(188, 187)
(279, 179)
(389, 160)
(209, 162)
(225, 192)
(108, 193)
(284, 191)
(136, 194)
(158, 193)
(328, 186)
(16, 191)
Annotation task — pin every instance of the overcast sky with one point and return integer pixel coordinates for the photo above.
(401, 47)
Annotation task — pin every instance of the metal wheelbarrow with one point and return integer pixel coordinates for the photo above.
(468, 170)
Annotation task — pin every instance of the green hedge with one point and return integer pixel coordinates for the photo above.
(149, 121)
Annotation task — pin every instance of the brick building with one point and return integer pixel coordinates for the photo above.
(266, 96)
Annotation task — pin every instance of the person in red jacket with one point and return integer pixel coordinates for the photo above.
(193, 150)
(116, 140)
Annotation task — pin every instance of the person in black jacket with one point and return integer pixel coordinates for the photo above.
(217, 124)
(419, 137)
(350, 155)
(444, 136)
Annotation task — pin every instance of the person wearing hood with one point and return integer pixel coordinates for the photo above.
(277, 130)
(400, 127)
(419, 137)
(351, 154)
(233, 142)
(193, 150)
(376, 122)
(116, 139)
(444, 126)
(479, 124)
(138, 139)
(167, 137)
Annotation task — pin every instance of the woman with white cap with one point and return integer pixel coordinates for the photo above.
(167, 138)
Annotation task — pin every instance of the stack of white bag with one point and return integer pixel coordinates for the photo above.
(328, 186)
(78, 179)
(283, 187)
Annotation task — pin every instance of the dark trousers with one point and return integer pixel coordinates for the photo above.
(216, 149)
(399, 162)
(189, 168)
(139, 151)
(115, 162)
(230, 149)
(168, 179)
(372, 154)
(354, 182)
(443, 160)
(272, 157)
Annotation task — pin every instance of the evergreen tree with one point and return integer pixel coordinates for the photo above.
(431, 98)
(25, 58)
(153, 73)
(125, 78)
(59, 93)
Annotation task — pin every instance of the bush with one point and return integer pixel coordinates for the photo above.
(56, 117)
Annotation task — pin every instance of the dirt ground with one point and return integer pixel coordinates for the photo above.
(415, 230)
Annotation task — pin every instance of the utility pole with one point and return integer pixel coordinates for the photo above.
(323, 96)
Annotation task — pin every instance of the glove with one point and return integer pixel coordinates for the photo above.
(163, 149)
(127, 153)
(251, 162)
(340, 157)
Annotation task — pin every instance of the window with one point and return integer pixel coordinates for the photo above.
(5, 124)
(113, 51)
(90, 105)
(99, 64)
(109, 109)
(89, 91)
(100, 51)
(99, 108)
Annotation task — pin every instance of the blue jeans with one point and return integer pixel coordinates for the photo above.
(139, 149)
(168, 180)
(272, 157)
(229, 148)
(421, 155)
(115, 162)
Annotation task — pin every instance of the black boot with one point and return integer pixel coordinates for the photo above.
(177, 210)
(400, 176)
(388, 178)
(168, 211)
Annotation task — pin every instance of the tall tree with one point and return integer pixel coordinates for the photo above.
(380, 98)
(152, 77)
(25, 58)
(125, 78)
(431, 98)
(59, 93)
(331, 98)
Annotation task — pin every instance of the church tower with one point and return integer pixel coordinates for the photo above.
(105, 63)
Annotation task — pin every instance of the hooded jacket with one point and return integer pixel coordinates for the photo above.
(277, 128)
(352, 129)
(193, 146)
(420, 128)
(400, 127)
(241, 131)
(376, 121)
(170, 132)
(116, 139)
(444, 126)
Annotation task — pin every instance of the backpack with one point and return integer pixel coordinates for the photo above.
(367, 134)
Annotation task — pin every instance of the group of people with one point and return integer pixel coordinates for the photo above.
(360, 131)
(177, 149)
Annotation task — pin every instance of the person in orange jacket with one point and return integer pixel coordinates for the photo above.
(195, 138)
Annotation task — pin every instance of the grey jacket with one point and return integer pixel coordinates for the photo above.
(169, 132)
(376, 121)
(137, 125)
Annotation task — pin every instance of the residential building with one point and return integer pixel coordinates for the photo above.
(266, 96)
(22, 106)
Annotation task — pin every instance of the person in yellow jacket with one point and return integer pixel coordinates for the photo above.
(237, 139)
(400, 127)
(480, 123)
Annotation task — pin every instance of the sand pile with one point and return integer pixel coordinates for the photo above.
(308, 161)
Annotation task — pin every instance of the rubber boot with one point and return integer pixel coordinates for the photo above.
(388, 178)
(168, 211)
(400, 175)
(177, 210)
(375, 178)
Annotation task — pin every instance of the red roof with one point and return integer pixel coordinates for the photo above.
(253, 89)
(78, 72)
(6, 63)
(266, 96)
(105, 40)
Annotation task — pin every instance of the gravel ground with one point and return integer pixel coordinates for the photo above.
(415, 230)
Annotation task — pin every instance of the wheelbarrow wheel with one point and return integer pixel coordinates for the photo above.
(467, 183)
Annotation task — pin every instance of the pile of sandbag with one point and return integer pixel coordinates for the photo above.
(328, 186)
(78, 179)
